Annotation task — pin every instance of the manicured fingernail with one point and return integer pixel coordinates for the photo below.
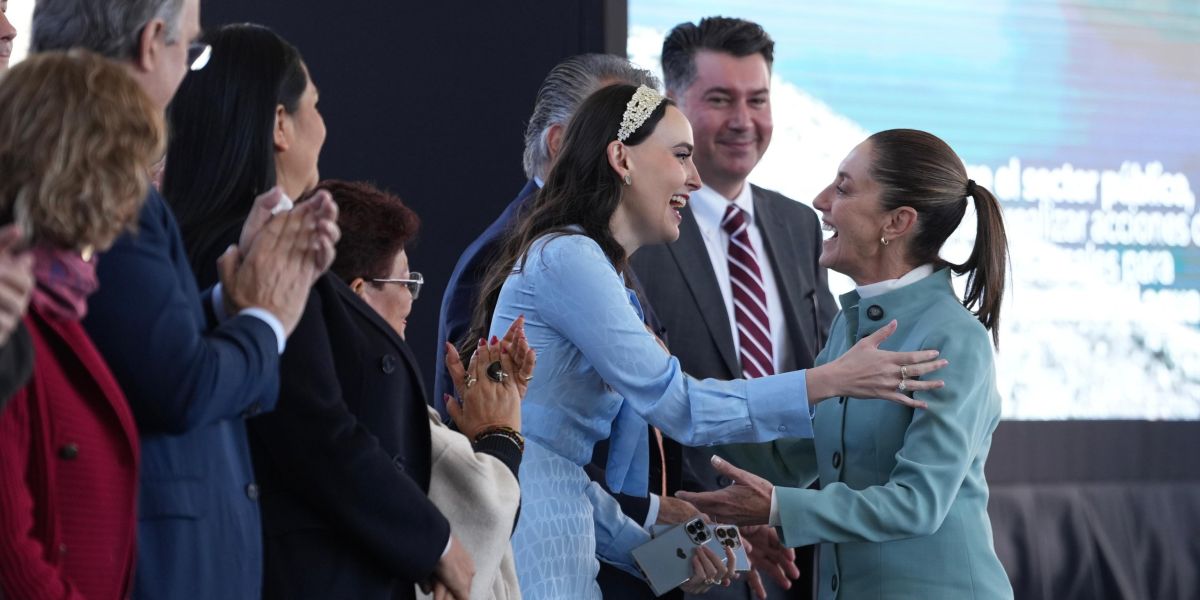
(480, 342)
(503, 348)
(495, 339)
(447, 398)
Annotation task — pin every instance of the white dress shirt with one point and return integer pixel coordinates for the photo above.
(709, 206)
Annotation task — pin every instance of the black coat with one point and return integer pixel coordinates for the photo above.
(343, 462)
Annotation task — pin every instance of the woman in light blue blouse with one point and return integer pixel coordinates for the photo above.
(624, 171)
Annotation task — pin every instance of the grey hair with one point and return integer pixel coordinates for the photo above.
(566, 87)
(111, 28)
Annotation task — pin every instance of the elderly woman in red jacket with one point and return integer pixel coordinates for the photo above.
(76, 135)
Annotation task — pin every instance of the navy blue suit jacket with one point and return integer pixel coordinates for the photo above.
(190, 385)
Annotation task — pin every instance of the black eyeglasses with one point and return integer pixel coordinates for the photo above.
(413, 283)
(197, 55)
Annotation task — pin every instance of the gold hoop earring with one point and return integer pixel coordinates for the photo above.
(883, 240)
(628, 179)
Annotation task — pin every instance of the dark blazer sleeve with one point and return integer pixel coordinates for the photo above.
(458, 306)
(320, 452)
(148, 322)
(16, 362)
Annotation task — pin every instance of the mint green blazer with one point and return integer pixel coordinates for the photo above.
(902, 509)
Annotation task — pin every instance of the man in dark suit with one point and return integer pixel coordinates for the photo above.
(190, 379)
(566, 86)
(740, 293)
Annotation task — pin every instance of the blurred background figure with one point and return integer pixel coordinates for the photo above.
(75, 137)
(344, 463)
(257, 91)
(193, 364)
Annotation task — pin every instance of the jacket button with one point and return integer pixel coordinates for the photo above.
(724, 481)
(252, 491)
(837, 460)
(874, 313)
(69, 452)
(833, 583)
(783, 428)
(388, 363)
(399, 462)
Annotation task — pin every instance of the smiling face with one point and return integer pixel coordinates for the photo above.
(7, 33)
(729, 105)
(853, 220)
(662, 175)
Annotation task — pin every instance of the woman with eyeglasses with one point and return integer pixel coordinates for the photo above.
(373, 265)
(343, 462)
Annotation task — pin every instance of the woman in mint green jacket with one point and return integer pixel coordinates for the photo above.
(902, 509)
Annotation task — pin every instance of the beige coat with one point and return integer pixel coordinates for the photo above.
(479, 496)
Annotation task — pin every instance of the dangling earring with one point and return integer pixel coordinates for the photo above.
(883, 240)
(628, 179)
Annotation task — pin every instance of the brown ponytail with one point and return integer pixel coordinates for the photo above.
(985, 268)
(919, 170)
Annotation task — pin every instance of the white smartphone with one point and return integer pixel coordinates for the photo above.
(729, 537)
(666, 560)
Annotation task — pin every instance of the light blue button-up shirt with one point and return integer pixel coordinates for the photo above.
(598, 369)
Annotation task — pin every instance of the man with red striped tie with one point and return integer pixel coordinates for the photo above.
(740, 293)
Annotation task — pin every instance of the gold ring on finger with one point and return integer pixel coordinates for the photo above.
(903, 386)
(469, 380)
(528, 377)
(903, 371)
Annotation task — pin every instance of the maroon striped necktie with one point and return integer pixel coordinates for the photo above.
(749, 298)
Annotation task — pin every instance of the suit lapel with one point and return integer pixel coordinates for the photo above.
(692, 257)
(779, 237)
(386, 329)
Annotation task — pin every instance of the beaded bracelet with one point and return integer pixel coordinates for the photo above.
(505, 432)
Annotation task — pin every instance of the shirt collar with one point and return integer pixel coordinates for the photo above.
(888, 285)
(709, 206)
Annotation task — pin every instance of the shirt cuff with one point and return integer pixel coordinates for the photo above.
(652, 513)
(773, 520)
(266, 317)
(773, 403)
(449, 541)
